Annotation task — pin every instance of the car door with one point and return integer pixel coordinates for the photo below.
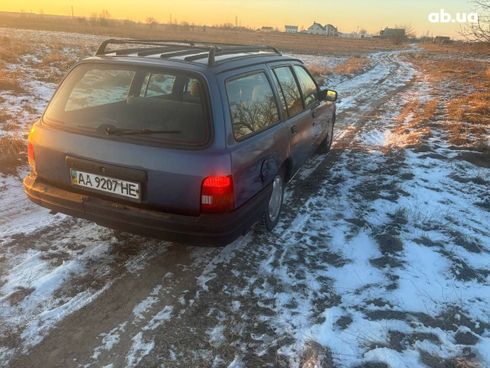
(257, 140)
(299, 119)
(321, 112)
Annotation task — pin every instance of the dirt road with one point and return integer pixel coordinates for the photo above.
(345, 280)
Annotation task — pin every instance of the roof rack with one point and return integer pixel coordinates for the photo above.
(171, 48)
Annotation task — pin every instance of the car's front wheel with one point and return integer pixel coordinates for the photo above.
(273, 212)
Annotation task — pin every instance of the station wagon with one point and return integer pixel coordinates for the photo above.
(185, 141)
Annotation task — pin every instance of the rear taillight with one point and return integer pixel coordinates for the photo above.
(30, 156)
(217, 194)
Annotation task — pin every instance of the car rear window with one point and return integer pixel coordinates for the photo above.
(252, 104)
(142, 103)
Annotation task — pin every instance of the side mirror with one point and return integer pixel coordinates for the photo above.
(328, 95)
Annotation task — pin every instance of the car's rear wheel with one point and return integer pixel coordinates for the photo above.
(273, 212)
(327, 142)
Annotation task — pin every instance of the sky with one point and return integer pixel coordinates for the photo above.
(347, 15)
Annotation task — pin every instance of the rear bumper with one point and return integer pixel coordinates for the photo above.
(208, 229)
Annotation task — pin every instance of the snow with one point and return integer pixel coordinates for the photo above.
(390, 242)
(216, 334)
(159, 318)
(19, 216)
(5, 355)
(393, 358)
(236, 363)
(406, 287)
(109, 340)
(139, 350)
(359, 250)
(143, 307)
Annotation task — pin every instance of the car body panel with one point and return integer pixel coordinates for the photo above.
(174, 176)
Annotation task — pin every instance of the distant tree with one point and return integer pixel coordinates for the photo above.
(104, 17)
(151, 21)
(399, 38)
(409, 30)
(480, 30)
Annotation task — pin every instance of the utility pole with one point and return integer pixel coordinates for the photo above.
(236, 21)
(72, 12)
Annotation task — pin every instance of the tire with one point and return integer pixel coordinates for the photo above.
(274, 207)
(324, 147)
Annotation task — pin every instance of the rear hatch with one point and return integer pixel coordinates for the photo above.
(133, 134)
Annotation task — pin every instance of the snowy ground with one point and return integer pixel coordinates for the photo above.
(381, 258)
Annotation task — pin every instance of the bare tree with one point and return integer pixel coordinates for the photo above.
(409, 30)
(480, 30)
(104, 17)
(151, 21)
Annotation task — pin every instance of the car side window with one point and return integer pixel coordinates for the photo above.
(289, 90)
(307, 84)
(252, 104)
(157, 85)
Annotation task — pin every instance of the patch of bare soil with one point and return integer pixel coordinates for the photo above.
(378, 256)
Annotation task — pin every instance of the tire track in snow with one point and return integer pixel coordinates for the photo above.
(117, 304)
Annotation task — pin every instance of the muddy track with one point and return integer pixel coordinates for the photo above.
(188, 282)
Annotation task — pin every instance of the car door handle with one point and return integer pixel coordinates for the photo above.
(294, 129)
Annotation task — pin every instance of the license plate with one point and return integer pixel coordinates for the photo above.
(105, 184)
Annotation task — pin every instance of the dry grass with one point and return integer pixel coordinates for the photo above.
(470, 119)
(54, 65)
(11, 50)
(412, 125)
(12, 153)
(7, 53)
(468, 105)
(10, 81)
(7, 123)
(459, 48)
(54, 57)
(354, 65)
(302, 43)
(4, 116)
(319, 70)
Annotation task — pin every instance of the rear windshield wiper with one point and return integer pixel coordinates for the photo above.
(120, 131)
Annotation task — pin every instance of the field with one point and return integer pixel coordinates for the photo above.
(300, 43)
(381, 258)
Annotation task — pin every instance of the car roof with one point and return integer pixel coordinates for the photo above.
(188, 55)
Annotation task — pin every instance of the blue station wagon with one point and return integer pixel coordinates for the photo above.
(185, 141)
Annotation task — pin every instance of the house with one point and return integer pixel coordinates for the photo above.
(328, 30)
(291, 29)
(392, 33)
(442, 40)
(267, 29)
(316, 28)
(331, 31)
